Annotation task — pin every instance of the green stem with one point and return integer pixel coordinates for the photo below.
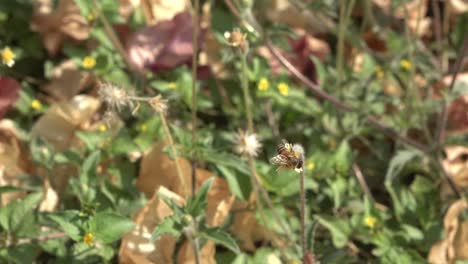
(174, 154)
(245, 90)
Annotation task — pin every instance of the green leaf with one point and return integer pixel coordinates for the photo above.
(198, 202)
(109, 227)
(221, 237)
(65, 220)
(398, 162)
(13, 216)
(88, 170)
(239, 185)
(9, 188)
(168, 226)
(339, 229)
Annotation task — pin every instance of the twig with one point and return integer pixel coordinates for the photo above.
(196, 8)
(174, 154)
(440, 133)
(319, 93)
(41, 238)
(360, 177)
(302, 214)
(438, 31)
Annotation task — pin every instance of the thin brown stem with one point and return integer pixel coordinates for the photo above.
(440, 133)
(360, 177)
(438, 30)
(41, 238)
(245, 90)
(114, 39)
(302, 215)
(174, 154)
(321, 94)
(196, 7)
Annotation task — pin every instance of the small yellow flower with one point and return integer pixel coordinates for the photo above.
(370, 221)
(310, 165)
(263, 84)
(379, 72)
(143, 128)
(89, 62)
(102, 128)
(91, 17)
(36, 104)
(406, 64)
(283, 88)
(88, 239)
(172, 85)
(8, 57)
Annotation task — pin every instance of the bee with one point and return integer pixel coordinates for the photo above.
(289, 156)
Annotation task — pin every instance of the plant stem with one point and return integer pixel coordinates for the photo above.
(302, 211)
(196, 249)
(245, 90)
(174, 154)
(194, 90)
(114, 39)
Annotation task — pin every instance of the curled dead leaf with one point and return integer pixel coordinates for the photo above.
(67, 81)
(455, 245)
(158, 169)
(136, 247)
(55, 25)
(164, 45)
(14, 161)
(456, 166)
(9, 89)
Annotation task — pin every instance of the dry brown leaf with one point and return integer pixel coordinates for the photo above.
(58, 125)
(455, 244)
(136, 248)
(282, 11)
(50, 201)
(14, 161)
(246, 228)
(158, 169)
(160, 10)
(55, 25)
(458, 6)
(456, 166)
(67, 81)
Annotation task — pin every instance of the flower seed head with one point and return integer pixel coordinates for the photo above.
(247, 144)
(159, 104)
(237, 39)
(115, 97)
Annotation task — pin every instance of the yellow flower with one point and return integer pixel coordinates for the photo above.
(370, 221)
(263, 84)
(90, 17)
(36, 104)
(310, 165)
(406, 64)
(172, 85)
(143, 128)
(102, 128)
(89, 62)
(88, 239)
(379, 72)
(8, 57)
(283, 88)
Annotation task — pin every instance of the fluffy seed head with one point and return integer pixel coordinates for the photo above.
(116, 98)
(159, 104)
(247, 144)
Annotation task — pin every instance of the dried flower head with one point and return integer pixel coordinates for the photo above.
(290, 156)
(159, 104)
(237, 39)
(247, 144)
(115, 97)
